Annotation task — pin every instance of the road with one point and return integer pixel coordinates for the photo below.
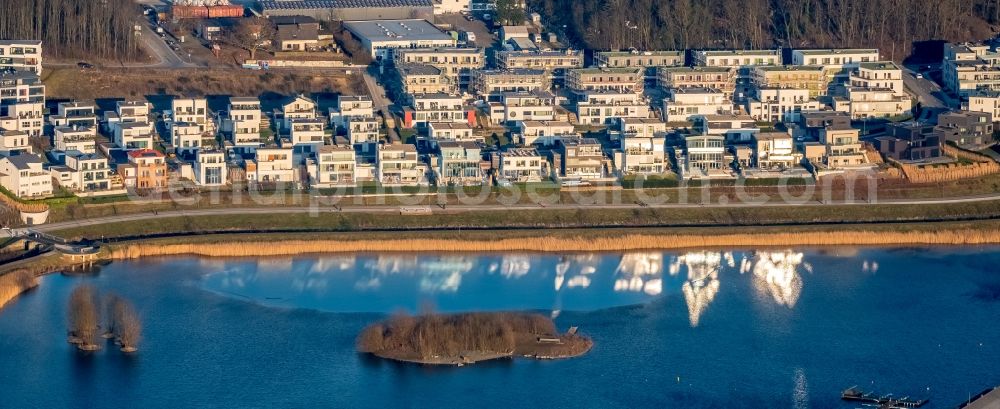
(473, 208)
(158, 49)
(381, 102)
(928, 92)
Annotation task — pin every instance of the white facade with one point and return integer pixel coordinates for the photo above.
(522, 165)
(299, 107)
(272, 165)
(307, 133)
(210, 168)
(190, 111)
(779, 104)
(133, 135)
(21, 55)
(682, 103)
(879, 75)
(362, 130)
(81, 139)
(398, 165)
(242, 121)
(348, 106)
(185, 136)
(528, 106)
(334, 166)
(642, 155)
(83, 173)
(532, 132)
(24, 176)
(599, 108)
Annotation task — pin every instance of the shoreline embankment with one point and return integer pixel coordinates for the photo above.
(545, 243)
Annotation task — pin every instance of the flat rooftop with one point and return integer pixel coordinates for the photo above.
(879, 65)
(396, 30)
(338, 4)
(825, 51)
(661, 53)
(520, 152)
(739, 52)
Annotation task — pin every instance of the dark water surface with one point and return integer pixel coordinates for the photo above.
(702, 329)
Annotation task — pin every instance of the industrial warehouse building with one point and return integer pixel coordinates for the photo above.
(383, 36)
(349, 9)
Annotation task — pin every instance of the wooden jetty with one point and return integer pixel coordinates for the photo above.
(881, 401)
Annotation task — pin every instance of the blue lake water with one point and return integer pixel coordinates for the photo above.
(699, 329)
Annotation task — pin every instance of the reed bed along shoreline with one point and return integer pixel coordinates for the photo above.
(544, 243)
(14, 283)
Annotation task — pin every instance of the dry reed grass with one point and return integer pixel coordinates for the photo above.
(14, 283)
(545, 243)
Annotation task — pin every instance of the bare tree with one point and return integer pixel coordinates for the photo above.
(251, 34)
(83, 318)
(127, 326)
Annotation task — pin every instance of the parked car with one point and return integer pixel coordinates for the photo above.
(85, 65)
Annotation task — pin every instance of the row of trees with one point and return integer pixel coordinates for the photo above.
(75, 28)
(120, 321)
(891, 25)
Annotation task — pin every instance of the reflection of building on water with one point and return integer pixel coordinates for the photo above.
(577, 267)
(776, 273)
(869, 266)
(435, 273)
(514, 266)
(334, 263)
(702, 282)
(640, 272)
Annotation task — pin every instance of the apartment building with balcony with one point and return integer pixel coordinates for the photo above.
(133, 135)
(75, 113)
(870, 103)
(522, 165)
(601, 107)
(210, 168)
(878, 75)
(333, 166)
(775, 151)
(451, 131)
(578, 159)
(682, 103)
(642, 154)
(620, 80)
(75, 138)
(491, 84)
(24, 176)
(836, 62)
(910, 141)
(736, 58)
(82, 172)
(348, 106)
(21, 55)
(528, 106)
(719, 78)
(648, 61)
(126, 112)
(242, 120)
(186, 137)
(555, 63)
(146, 170)
(984, 101)
(307, 134)
(971, 130)
(271, 165)
(424, 79)
(14, 142)
(843, 149)
(363, 130)
(779, 104)
(970, 67)
(533, 132)
(190, 111)
(426, 108)
(399, 165)
(297, 107)
(811, 78)
(640, 127)
(456, 64)
(704, 156)
(22, 102)
(459, 163)
(735, 128)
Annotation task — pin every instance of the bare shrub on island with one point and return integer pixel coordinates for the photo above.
(128, 327)
(84, 318)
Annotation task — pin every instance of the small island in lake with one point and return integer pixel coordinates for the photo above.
(456, 339)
